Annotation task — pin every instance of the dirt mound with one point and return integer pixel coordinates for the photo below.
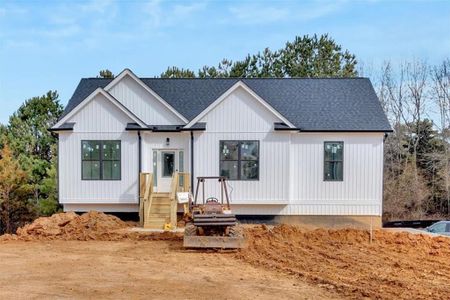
(392, 266)
(92, 225)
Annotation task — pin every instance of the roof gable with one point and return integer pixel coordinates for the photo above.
(222, 98)
(89, 99)
(127, 73)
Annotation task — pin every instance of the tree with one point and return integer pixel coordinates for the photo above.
(307, 56)
(316, 57)
(31, 142)
(105, 74)
(14, 209)
(174, 72)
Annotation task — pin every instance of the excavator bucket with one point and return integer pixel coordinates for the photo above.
(220, 242)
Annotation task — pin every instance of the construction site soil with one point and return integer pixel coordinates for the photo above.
(98, 256)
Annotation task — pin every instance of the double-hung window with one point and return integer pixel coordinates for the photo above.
(239, 160)
(333, 161)
(100, 160)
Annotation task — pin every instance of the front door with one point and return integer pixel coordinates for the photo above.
(165, 162)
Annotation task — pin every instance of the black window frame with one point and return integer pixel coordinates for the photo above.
(325, 160)
(239, 159)
(101, 160)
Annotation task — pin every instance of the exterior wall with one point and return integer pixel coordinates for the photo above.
(100, 115)
(98, 120)
(291, 164)
(145, 106)
(152, 141)
(241, 117)
(360, 193)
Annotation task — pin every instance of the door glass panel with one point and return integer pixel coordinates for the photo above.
(155, 165)
(168, 163)
(181, 167)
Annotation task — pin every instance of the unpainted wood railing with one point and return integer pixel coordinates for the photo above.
(181, 182)
(145, 195)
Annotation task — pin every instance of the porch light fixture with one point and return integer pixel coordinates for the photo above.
(167, 141)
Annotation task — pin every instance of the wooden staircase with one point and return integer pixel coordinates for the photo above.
(159, 212)
(156, 210)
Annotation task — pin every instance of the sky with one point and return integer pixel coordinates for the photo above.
(51, 45)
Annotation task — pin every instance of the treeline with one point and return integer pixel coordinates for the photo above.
(416, 98)
(28, 186)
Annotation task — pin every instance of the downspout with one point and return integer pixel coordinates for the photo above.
(139, 152)
(192, 160)
(140, 210)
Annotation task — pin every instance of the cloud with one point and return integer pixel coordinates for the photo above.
(159, 14)
(98, 6)
(260, 13)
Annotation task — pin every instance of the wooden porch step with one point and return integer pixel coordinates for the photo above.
(160, 201)
(160, 210)
(157, 216)
(161, 195)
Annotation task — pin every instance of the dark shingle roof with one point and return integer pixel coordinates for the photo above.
(311, 104)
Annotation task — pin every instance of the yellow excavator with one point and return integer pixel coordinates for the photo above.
(211, 223)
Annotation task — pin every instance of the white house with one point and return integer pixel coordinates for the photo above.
(305, 147)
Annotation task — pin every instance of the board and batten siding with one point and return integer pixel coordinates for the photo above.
(144, 105)
(241, 117)
(291, 164)
(98, 120)
(360, 192)
(157, 141)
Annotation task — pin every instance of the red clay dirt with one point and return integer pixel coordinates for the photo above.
(57, 256)
(394, 266)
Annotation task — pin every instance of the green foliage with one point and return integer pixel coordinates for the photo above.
(34, 146)
(174, 72)
(105, 74)
(49, 205)
(307, 56)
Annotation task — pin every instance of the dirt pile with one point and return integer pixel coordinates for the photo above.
(392, 266)
(92, 225)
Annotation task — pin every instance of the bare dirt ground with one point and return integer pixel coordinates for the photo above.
(137, 270)
(97, 256)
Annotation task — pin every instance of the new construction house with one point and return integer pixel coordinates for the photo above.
(309, 149)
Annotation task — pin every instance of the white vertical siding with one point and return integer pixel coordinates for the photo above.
(291, 164)
(98, 120)
(241, 117)
(240, 112)
(152, 141)
(100, 115)
(74, 190)
(144, 105)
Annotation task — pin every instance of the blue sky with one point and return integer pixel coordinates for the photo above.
(52, 44)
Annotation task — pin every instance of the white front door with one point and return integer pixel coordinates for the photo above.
(165, 162)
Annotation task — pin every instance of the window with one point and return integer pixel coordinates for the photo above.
(239, 160)
(334, 161)
(168, 163)
(100, 160)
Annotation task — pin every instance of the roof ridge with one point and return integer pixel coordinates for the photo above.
(237, 78)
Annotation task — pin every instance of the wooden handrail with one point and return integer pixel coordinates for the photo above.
(176, 187)
(145, 195)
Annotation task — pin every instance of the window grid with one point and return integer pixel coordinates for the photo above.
(101, 158)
